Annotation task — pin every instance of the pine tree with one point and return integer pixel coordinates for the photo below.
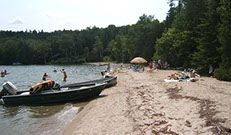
(224, 71)
(207, 53)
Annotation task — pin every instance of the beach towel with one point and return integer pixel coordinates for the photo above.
(166, 80)
(181, 80)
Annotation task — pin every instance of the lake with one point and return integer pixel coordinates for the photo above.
(44, 119)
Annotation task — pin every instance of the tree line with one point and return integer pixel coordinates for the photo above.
(195, 33)
(198, 36)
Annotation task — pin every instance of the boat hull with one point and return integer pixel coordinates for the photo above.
(54, 97)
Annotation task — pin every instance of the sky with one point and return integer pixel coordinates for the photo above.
(51, 15)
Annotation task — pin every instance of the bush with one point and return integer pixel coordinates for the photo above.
(223, 74)
(107, 59)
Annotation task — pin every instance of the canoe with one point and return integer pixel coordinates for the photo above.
(109, 80)
(69, 92)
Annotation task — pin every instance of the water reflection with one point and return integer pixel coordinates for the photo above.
(44, 111)
(38, 119)
(39, 111)
(52, 121)
(9, 111)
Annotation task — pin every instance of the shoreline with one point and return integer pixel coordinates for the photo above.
(142, 103)
(71, 127)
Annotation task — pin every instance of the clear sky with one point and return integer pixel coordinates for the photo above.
(51, 15)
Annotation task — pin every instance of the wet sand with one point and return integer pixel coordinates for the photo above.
(143, 103)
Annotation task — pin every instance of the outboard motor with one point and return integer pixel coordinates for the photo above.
(8, 88)
(3, 92)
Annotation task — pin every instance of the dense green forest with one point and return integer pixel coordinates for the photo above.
(195, 33)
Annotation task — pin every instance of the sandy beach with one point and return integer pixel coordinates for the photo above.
(144, 104)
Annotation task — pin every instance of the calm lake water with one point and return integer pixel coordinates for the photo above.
(46, 119)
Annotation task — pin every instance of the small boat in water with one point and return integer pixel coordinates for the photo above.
(69, 92)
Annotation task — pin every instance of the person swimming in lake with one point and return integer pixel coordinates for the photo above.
(65, 74)
(2, 74)
(54, 70)
(5, 72)
(44, 76)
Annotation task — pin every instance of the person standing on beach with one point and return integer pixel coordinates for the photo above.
(108, 67)
(150, 67)
(65, 74)
(154, 65)
(160, 64)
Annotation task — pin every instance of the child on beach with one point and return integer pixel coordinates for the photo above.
(150, 67)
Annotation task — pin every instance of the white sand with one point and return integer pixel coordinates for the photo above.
(142, 103)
